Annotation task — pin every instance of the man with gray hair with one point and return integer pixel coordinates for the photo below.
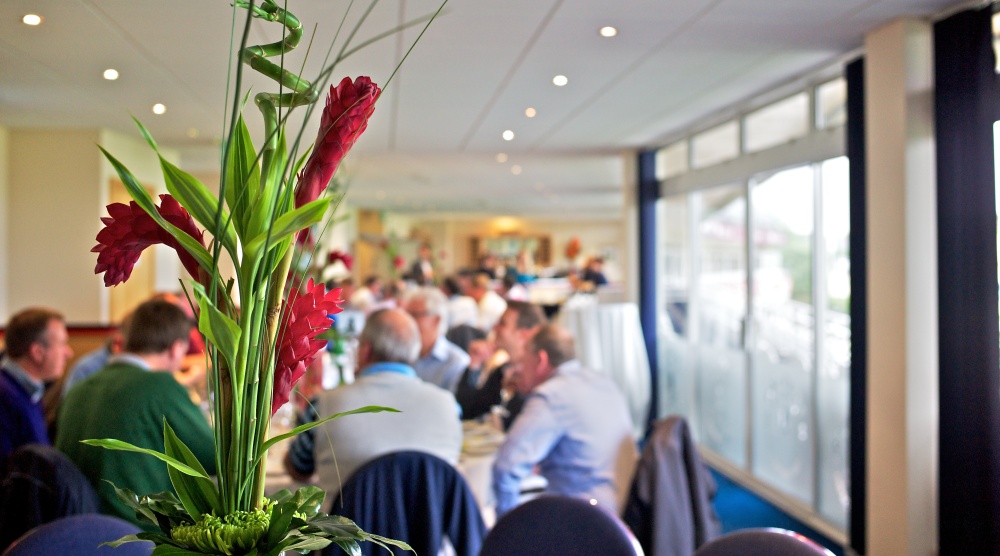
(575, 426)
(429, 422)
(440, 362)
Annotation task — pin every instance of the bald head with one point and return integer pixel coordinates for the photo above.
(392, 336)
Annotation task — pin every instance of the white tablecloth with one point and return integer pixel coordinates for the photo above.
(609, 339)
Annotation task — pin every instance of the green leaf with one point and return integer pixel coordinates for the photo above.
(242, 175)
(308, 500)
(171, 550)
(303, 428)
(146, 134)
(199, 496)
(336, 527)
(219, 329)
(290, 223)
(267, 199)
(123, 540)
(113, 444)
(281, 517)
(130, 499)
(142, 198)
(350, 547)
(199, 201)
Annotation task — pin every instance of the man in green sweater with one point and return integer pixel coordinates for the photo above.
(128, 400)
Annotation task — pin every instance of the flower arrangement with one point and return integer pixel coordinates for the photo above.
(263, 334)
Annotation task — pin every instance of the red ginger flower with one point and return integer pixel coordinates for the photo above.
(339, 255)
(348, 107)
(129, 230)
(305, 316)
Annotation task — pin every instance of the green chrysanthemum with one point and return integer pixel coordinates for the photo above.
(233, 535)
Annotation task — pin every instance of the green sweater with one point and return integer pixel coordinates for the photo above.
(128, 403)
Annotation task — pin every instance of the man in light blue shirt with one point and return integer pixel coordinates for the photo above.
(575, 426)
(441, 362)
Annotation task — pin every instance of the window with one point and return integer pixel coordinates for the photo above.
(831, 104)
(716, 145)
(672, 160)
(777, 123)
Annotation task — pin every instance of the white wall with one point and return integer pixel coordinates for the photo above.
(54, 204)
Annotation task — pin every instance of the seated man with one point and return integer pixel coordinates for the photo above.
(440, 362)
(429, 421)
(481, 387)
(37, 351)
(575, 426)
(128, 400)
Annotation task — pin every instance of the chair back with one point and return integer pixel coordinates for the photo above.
(413, 497)
(762, 542)
(40, 484)
(80, 535)
(552, 524)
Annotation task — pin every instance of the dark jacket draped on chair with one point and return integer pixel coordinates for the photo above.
(670, 505)
(413, 497)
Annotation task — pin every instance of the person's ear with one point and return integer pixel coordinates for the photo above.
(37, 352)
(543, 360)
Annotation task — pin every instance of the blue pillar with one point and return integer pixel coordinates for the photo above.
(648, 193)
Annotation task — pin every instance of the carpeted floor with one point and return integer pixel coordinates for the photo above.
(738, 508)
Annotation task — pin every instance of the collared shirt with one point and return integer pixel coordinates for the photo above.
(34, 388)
(130, 359)
(388, 367)
(577, 428)
(444, 365)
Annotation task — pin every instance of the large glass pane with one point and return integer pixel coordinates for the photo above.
(783, 332)
(716, 145)
(834, 379)
(777, 123)
(719, 313)
(676, 375)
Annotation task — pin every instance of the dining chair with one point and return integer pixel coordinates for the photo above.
(552, 524)
(80, 535)
(413, 497)
(40, 484)
(762, 542)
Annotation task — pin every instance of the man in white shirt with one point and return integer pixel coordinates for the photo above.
(575, 426)
(429, 421)
(491, 305)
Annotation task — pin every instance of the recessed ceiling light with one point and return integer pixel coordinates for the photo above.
(32, 19)
(560, 80)
(516, 170)
(501, 157)
(608, 31)
(111, 74)
(530, 112)
(508, 135)
(159, 108)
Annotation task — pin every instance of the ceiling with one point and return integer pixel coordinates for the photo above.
(433, 142)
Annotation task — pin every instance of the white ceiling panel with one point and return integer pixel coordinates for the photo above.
(432, 143)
